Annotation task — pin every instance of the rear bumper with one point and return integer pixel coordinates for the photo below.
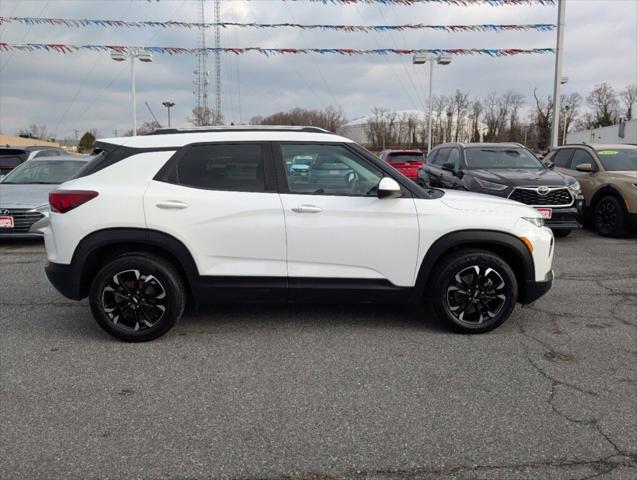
(534, 290)
(65, 279)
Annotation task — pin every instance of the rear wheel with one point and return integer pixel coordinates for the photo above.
(137, 297)
(609, 218)
(474, 291)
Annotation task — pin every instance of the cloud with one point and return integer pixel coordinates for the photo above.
(88, 90)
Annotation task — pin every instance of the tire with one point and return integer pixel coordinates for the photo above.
(561, 233)
(609, 218)
(137, 297)
(485, 309)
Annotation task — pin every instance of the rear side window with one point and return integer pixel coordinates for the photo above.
(223, 167)
(562, 158)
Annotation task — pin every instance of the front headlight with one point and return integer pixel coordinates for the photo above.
(574, 187)
(537, 221)
(44, 208)
(489, 185)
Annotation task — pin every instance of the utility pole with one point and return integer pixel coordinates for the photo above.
(557, 81)
(168, 106)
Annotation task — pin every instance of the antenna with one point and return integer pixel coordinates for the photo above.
(217, 62)
(201, 73)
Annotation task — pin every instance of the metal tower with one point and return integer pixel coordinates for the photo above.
(201, 73)
(218, 115)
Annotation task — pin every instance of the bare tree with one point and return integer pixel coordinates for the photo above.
(460, 104)
(35, 131)
(603, 101)
(203, 116)
(569, 111)
(543, 121)
(629, 97)
(474, 117)
(330, 118)
(513, 103)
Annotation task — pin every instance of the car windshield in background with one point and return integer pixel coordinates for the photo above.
(406, 157)
(477, 158)
(43, 171)
(618, 160)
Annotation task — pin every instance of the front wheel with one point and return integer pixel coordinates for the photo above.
(474, 291)
(137, 297)
(608, 217)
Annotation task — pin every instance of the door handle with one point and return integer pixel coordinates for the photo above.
(172, 205)
(307, 209)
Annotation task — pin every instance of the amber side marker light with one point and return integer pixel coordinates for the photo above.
(528, 243)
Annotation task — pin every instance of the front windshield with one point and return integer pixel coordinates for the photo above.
(43, 171)
(619, 160)
(477, 158)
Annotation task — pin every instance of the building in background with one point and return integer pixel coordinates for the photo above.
(13, 141)
(613, 134)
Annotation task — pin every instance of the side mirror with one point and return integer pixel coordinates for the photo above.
(549, 165)
(448, 166)
(585, 167)
(388, 188)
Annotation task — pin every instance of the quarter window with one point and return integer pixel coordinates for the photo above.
(328, 170)
(223, 167)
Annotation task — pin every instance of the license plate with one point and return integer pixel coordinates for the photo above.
(547, 213)
(6, 222)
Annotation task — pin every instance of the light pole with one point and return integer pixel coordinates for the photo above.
(168, 106)
(557, 81)
(143, 56)
(419, 59)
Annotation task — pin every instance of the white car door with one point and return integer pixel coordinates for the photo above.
(336, 226)
(221, 201)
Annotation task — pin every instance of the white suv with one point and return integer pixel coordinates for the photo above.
(218, 215)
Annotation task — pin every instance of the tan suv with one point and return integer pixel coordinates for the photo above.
(608, 178)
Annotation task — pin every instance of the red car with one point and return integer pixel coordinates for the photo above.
(406, 162)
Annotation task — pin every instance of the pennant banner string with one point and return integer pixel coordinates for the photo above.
(64, 48)
(88, 22)
(464, 3)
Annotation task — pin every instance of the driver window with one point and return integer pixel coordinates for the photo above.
(454, 157)
(328, 170)
(579, 157)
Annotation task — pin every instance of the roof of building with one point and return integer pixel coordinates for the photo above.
(13, 141)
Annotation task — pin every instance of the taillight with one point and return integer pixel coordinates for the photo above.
(63, 201)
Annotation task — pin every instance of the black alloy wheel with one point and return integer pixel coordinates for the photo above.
(474, 291)
(134, 299)
(608, 217)
(137, 297)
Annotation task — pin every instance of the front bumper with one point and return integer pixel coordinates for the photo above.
(568, 218)
(534, 289)
(65, 279)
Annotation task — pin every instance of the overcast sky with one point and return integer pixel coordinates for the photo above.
(88, 90)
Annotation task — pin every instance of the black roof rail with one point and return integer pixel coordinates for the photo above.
(240, 128)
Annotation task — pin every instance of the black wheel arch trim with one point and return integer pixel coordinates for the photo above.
(84, 259)
(497, 242)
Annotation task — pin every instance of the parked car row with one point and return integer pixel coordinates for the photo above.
(11, 157)
(24, 193)
(596, 184)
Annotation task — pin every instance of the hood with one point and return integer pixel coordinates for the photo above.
(521, 177)
(25, 195)
(480, 202)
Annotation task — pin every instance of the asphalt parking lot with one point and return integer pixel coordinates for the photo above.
(326, 391)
